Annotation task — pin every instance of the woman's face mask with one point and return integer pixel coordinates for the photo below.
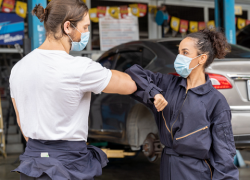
(181, 65)
(79, 46)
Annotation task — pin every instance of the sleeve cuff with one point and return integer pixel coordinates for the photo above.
(150, 93)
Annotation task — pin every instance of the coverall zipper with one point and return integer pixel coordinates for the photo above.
(209, 169)
(202, 129)
(178, 116)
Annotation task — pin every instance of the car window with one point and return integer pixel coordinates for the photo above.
(173, 46)
(236, 50)
(239, 52)
(108, 62)
(148, 56)
(127, 59)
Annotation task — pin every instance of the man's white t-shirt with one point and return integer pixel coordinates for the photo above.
(52, 90)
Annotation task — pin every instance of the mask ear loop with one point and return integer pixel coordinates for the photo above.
(197, 64)
(75, 28)
(70, 38)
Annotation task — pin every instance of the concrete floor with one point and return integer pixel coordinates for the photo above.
(118, 169)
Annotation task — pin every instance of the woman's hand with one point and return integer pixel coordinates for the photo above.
(160, 102)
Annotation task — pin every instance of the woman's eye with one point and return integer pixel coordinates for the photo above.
(185, 53)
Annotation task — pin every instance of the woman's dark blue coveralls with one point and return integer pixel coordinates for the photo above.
(195, 127)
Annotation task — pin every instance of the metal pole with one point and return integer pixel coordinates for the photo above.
(89, 45)
(217, 13)
(229, 20)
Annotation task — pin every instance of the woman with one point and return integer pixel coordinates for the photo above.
(51, 93)
(195, 127)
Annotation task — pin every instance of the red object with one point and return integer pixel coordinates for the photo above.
(8, 6)
(2, 91)
(101, 11)
(202, 25)
(142, 9)
(218, 81)
(124, 11)
(247, 22)
(169, 17)
(175, 74)
(183, 26)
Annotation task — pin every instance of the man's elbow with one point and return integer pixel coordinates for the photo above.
(132, 88)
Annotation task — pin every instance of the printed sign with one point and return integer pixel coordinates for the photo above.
(11, 29)
(183, 26)
(8, 5)
(114, 32)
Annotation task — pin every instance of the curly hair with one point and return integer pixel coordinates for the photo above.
(213, 43)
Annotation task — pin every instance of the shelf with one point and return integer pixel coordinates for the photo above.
(9, 50)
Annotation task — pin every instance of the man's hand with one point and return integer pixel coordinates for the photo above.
(160, 102)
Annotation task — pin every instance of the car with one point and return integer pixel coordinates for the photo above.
(243, 36)
(121, 119)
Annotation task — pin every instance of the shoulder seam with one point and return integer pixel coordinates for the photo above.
(220, 113)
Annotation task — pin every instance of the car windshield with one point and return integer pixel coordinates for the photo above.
(236, 51)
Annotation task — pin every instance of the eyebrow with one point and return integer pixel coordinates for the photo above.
(87, 25)
(185, 49)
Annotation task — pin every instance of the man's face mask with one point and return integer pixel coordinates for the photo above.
(182, 63)
(79, 46)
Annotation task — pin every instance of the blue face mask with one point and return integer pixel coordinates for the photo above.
(181, 65)
(79, 46)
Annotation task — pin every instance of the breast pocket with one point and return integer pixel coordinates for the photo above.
(224, 131)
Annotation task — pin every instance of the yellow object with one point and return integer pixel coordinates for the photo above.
(21, 9)
(152, 9)
(193, 26)
(211, 25)
(84, 1)
(241, 23)
(93, 15)
(238, 10)
(1, 2)
(2, 139)
(117, 153)
(135, 10)
(175, 23)
(114, 12)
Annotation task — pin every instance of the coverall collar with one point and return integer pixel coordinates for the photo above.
(200, 90)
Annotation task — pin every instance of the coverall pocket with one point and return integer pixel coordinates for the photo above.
(225, 132)
(192, 133)
(194, 144)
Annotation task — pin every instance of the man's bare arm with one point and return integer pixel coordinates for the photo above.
(18, 119)
(120, 83)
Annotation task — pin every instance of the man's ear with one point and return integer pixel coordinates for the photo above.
(67, 27)
(203, 59)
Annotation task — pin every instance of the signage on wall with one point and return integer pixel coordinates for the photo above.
(11, 29)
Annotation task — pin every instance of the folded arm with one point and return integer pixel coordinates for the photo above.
(148, 91)
(120, 83)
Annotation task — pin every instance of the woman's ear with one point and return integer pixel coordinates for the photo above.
(203, 59)
(67, 27)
